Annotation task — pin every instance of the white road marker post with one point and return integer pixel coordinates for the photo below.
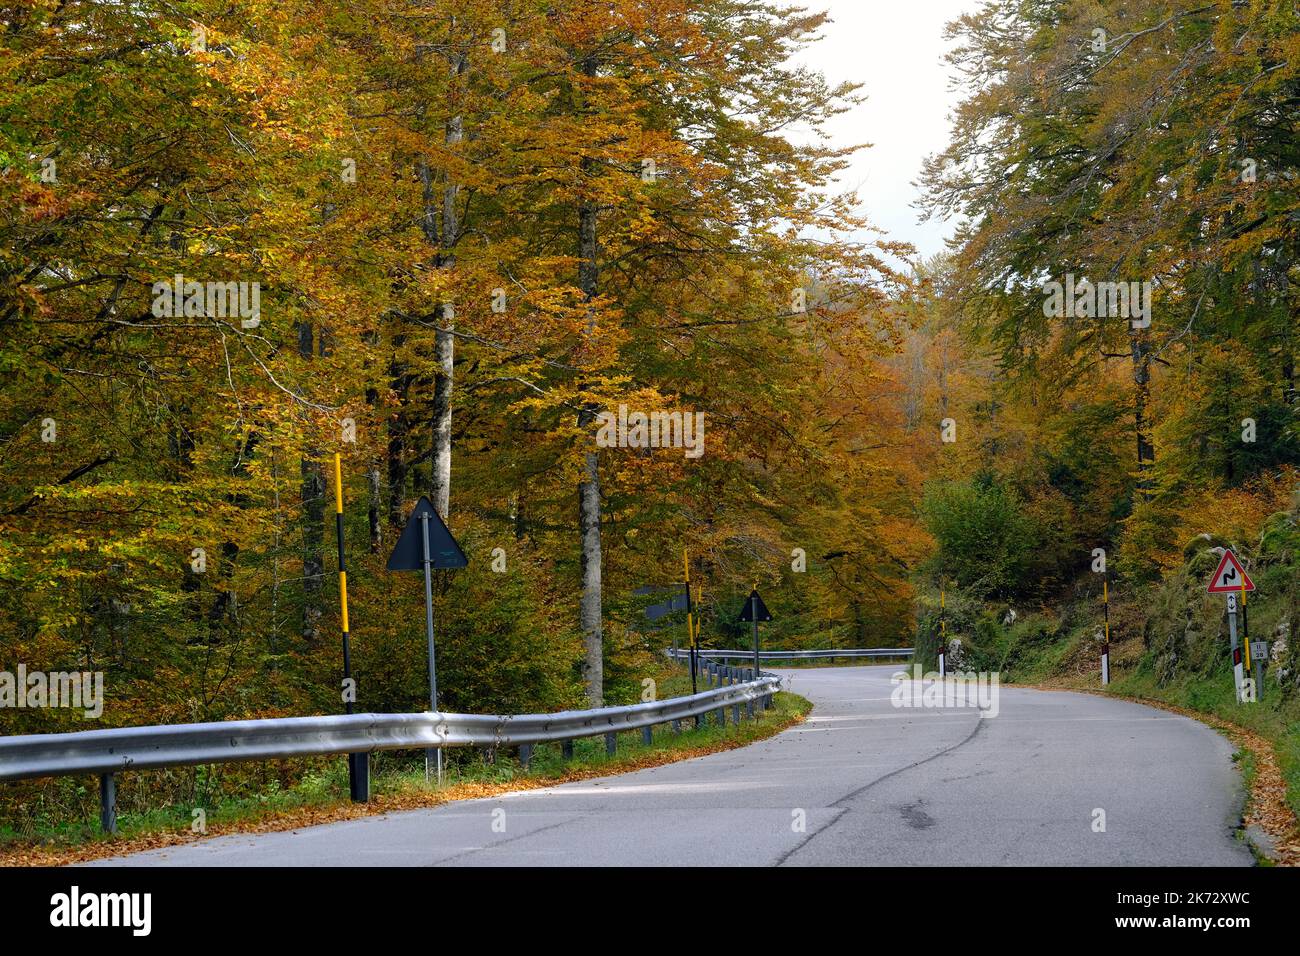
(943, 636)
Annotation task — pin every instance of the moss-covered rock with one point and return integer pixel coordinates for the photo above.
(1204, 543)
(1279, 539)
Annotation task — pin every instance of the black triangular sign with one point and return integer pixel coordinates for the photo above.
(748, 613)
(443, 549)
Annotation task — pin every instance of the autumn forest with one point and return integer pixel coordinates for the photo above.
(585, 275)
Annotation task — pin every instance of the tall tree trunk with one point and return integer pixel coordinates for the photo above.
(518, 516)
(313, 523)
(374, 481)
(593, 670)
(589, 530)
(400, 379)
(445, 240)
(440, 477)
(1289, 393)
(1141, 402)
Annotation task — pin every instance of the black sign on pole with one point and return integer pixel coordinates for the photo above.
(444, 552)
(755, 611)
(676, 602)
(425, 544)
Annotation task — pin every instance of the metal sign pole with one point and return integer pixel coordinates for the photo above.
(429, 546)
(1236, 648)
(753, 607)
(434, 754)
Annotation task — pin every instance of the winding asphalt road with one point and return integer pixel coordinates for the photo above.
(871, 783)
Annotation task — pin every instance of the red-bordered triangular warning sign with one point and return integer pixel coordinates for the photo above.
(1230, 577)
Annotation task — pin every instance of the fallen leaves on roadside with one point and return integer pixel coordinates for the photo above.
(413, 799)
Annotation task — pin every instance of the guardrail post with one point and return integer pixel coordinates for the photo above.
(566, 750)
(525, 755)
(359, 777)
(611, 743)
(108, 803)
(677, 726)
(647, 735)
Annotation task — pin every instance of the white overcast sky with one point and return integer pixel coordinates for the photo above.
(895, 49)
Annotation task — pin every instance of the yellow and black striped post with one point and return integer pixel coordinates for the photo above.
(358, 764)
(690, 629)
(1105, 641)
(1253, 668)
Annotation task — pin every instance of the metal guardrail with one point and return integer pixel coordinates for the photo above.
(138, 748)
(819, 654)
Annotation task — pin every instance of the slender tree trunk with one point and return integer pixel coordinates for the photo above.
(225, 601)
(1289, 394)
(440, 478)
(590, 614)
(517, 515)
(400, 378)
(374, 480)
(312, 497)
(1141, 402)
(589, 488)
(444, 341)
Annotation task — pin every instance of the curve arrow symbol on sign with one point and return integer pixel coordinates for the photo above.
(1230, 577)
